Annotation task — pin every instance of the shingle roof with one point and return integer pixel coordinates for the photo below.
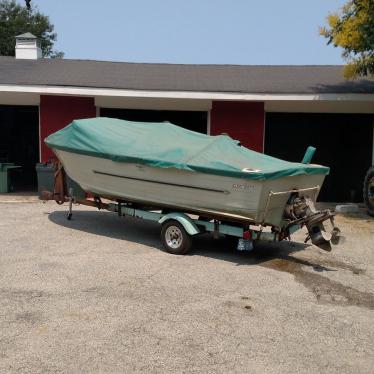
(174, 77)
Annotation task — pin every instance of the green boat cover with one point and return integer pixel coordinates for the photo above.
(164, 145)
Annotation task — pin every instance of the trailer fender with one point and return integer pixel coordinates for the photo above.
(188, 224)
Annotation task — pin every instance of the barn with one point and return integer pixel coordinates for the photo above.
(279, 110)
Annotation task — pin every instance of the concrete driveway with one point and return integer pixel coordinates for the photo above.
(98, 295)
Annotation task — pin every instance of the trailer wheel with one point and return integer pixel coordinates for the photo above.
(369, 191)
(175, 238)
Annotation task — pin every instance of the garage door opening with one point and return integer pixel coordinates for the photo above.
(190, 120)
(344, 142)
(19, 143)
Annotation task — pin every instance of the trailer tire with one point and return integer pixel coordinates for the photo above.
(175, 238)
(369, 191)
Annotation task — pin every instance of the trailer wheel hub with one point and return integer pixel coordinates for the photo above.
(173, 236)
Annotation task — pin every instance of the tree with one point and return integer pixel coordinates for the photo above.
(16, 19)
(352, 28)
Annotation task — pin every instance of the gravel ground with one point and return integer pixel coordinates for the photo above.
(98, 295)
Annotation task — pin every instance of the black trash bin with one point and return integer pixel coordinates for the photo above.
(46, 181)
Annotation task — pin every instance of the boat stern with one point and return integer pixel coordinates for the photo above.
(291, 209)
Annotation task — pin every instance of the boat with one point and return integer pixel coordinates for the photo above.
(166, 166)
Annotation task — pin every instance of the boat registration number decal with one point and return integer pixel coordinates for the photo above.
(243, 187)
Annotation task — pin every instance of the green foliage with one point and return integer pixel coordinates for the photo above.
(16, 19)
(352, 28)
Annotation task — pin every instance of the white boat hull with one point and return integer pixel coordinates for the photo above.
(184, 190)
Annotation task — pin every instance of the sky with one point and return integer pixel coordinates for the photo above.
(248, 32)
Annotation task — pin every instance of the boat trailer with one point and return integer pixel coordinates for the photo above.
(178, 228)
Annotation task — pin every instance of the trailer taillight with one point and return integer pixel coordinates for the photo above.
(247, 235)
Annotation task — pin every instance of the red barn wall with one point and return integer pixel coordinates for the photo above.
(243, 121)
(58, 111)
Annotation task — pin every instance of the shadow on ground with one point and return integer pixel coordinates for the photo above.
(147, 233)
(108, 224)
(289, 257)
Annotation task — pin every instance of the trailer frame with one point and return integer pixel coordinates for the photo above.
(179, 227)
(245, 232)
